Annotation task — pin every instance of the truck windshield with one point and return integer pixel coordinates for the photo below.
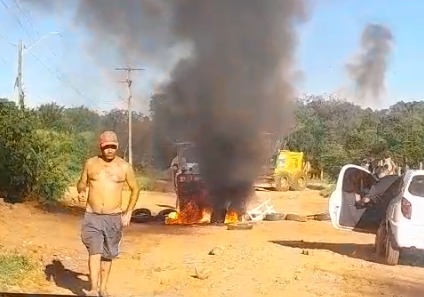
(191, 155)
(416, 187)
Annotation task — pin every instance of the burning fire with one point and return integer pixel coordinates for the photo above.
(192, 214)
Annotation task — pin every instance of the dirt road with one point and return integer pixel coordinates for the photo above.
(283, 258)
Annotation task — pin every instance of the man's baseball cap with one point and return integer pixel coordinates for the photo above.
(108, 138)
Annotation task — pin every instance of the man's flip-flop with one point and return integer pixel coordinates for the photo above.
(91, 293)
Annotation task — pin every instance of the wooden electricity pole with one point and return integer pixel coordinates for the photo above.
(128, 81)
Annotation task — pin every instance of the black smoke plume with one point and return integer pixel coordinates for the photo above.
(369, 71)
(236, 83)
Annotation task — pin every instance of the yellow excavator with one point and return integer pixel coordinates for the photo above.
(284, 171)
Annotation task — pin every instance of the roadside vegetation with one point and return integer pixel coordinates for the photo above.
(16, 269)
(42, 150)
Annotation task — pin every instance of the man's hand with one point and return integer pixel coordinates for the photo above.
(81, 196)
(126, 218)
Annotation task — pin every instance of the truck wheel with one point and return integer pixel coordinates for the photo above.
(380, 240)
(392, 252)
(299, 182)
(282, 182)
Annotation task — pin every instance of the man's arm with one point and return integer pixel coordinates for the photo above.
(132, 183)
(82, 182)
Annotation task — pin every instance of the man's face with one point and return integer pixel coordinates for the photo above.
(109, 151)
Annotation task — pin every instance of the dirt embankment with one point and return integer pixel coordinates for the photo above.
(282, 258)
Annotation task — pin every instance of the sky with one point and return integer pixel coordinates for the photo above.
(61, 68)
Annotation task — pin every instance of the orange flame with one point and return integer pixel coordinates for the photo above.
(192, 214)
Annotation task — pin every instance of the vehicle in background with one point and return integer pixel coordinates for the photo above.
(393, 211)
(283, 170)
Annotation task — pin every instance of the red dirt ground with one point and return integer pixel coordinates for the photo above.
(283, 258)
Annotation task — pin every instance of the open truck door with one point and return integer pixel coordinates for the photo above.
(352, 184)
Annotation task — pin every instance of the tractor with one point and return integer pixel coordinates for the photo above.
(284, 171)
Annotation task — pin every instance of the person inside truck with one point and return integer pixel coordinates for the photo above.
(176, 164)
(373, 196)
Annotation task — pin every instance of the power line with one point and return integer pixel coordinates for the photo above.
(58, 73)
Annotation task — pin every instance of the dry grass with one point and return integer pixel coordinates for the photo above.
(19, 270)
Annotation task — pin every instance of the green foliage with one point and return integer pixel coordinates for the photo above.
(334, 132)
(37, 162)
(42, 150)
(55, 160)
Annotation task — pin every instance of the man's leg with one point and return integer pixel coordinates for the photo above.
(92, 238)
(106, 265)
(94, 269)
(113, 236)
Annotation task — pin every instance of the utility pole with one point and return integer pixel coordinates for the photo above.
(128, 81)
(18, 82)
(22, 50)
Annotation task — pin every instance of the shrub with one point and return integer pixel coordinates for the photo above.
(36, 162)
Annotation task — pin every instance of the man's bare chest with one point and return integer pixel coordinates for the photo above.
(107, 173)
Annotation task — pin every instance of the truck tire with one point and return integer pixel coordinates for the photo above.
(380, 240)
(282, 182)
(392, 252)
(299, 182)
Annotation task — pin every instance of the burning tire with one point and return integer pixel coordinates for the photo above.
(163, 214)
(141, 215)
(282, 182)
(297, 218)
(240, 226)
(275, 217)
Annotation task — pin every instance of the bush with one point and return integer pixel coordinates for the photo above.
(35, 162)
(55, 160)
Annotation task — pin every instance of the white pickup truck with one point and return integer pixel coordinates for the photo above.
(394, 213)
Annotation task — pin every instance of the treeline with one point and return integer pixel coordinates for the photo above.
(334, 132)
(42, 150)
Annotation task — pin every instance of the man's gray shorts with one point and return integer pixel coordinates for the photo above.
(102, 234)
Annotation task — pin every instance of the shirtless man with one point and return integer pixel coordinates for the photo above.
(104, 220)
